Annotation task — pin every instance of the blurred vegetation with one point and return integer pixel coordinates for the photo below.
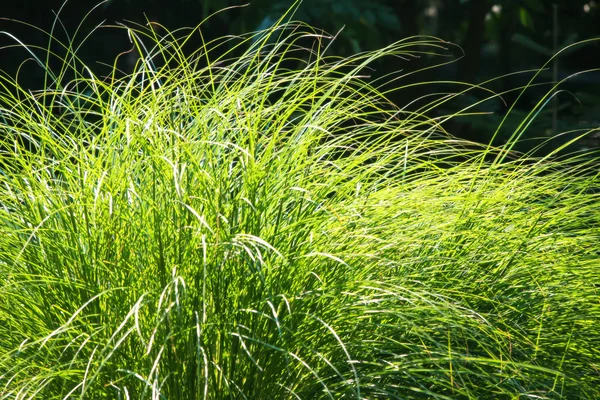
(498, 37)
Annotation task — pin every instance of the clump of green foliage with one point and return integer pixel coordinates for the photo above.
(233, 227)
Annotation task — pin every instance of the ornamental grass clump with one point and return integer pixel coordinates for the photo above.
(270, 226)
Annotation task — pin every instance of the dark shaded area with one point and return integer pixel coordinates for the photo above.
(499, 37)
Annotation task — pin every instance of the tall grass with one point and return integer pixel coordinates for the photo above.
(269, 226)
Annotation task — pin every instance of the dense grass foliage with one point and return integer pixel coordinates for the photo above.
(270, 227)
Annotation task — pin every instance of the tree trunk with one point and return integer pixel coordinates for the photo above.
(468, 67)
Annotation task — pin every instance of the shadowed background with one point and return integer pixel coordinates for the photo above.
(499, 37)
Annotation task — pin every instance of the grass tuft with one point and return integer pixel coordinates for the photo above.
(270, 226)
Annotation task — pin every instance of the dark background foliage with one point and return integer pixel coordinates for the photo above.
(498, 37)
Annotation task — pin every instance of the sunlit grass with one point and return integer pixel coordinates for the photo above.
(233, 227)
